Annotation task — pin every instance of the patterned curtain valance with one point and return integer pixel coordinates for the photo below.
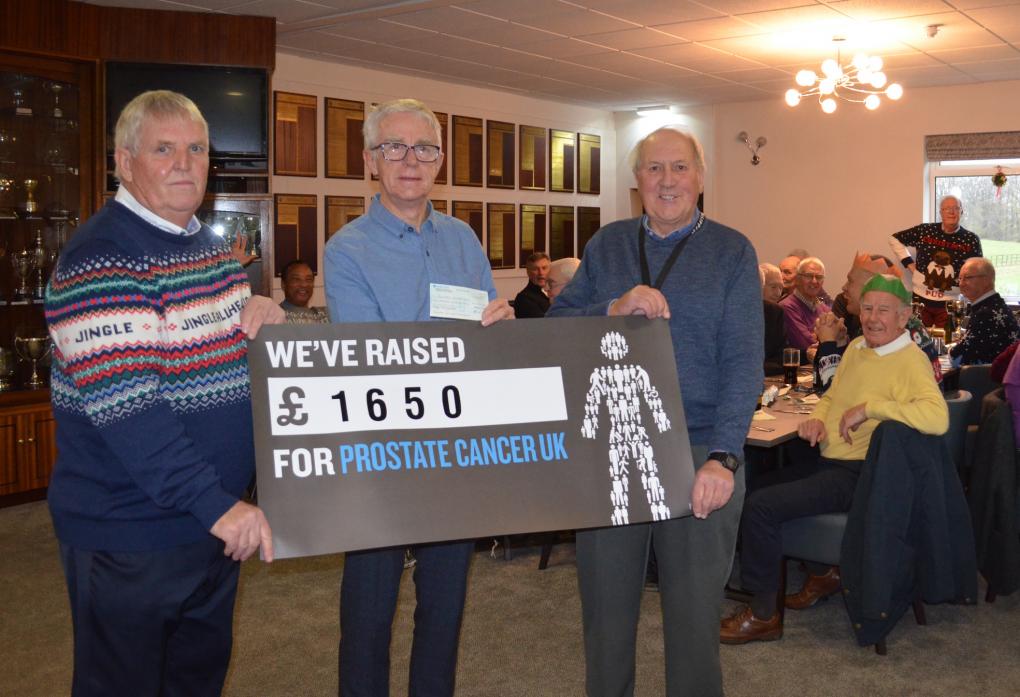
(972, 146)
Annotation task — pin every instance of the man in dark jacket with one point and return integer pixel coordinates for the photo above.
(533, 300)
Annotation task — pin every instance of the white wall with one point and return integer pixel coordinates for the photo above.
(838, 183)
(324, 79)
(832, 184)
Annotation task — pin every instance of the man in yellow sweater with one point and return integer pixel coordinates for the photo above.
(883, 376)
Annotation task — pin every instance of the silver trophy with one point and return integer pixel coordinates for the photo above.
(6, 369)
(40, 255)
(56, 88)
(34, 349)
(24, 264)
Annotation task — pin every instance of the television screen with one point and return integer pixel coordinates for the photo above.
(233, 101)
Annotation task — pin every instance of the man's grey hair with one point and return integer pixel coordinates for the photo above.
(765, 269)
(399, 106)
(982, 266)
(564, 268)
(158, 105)
(810, 260)
(959, 201)
(634, 159)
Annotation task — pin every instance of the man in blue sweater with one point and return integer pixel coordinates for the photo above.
(674, 265)
(149, 314)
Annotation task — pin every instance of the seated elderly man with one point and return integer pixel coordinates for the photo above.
(834, 333)
(561, 272)
(992, 327)
(804, 305)
(775, 320)
(883, 376)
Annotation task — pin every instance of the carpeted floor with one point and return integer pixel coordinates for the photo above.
(521, 636)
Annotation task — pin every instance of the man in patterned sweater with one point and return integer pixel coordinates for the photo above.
(992, 327)
(149, 311)
(941, 249)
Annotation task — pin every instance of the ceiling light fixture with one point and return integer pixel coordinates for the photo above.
(654, 110)
(861, 81)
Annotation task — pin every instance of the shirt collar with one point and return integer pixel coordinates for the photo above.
(676, 234)
(900, 342)
(126, 199)
(807, 301)
(983, 297)
(382, 215)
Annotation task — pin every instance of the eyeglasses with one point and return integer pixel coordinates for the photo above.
(395, 152)
(951, 209)
(812, 276)
(972, 276)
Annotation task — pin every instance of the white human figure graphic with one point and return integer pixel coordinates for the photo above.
(620, 387)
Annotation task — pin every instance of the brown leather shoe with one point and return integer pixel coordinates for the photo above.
(815, 588)
(743, 627)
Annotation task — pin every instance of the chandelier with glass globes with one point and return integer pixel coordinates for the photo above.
(861, 81)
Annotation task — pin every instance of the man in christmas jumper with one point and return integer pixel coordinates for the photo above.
(149, 313)
(931, 277)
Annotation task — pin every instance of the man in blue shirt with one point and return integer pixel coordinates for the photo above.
(378, 269)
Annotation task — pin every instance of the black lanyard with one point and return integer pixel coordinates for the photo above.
(646, 276)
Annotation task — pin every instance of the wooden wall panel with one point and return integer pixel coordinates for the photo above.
(79, 30)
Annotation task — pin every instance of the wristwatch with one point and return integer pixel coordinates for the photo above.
(727, 460)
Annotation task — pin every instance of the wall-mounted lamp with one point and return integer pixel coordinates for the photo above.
(654, 110)
(758, 145)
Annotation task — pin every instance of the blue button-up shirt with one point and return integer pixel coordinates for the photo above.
(378, 268)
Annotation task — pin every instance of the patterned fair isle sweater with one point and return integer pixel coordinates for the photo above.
(149, 385)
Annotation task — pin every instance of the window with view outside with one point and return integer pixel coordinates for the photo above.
(993, 214)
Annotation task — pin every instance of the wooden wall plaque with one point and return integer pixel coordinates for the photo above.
(341, 210)
(500, 147)
(295, 231)
(444, 123)
(533, 217)
(589, 164)
(562, 150)
(295, 116)
(561, 232)
(502, 235)
(471, 213)
(344, 142)
(589, 220)
(533, 155)
(467, 151)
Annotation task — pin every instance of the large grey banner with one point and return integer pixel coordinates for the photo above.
(380, 434)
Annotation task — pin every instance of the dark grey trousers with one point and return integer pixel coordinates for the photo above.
(694, 558)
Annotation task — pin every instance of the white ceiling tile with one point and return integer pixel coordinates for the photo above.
(734, 7)
(974, 4)
(816, 17)
(1002, 21)
(928, 76)
(994, 70)
(630, 39)
(957, 31)
(452, 20)
(563, 48)
(755, 75)
(980, 54)
(651, 12)
(550, 15)
(697, 57)
(518, 61)
(285, 11)
(870, 10)
(704, 29)
(447, 46)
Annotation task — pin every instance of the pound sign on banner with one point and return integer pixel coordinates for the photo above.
(294, 414)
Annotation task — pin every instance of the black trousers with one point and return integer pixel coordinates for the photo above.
(151, 624)
(808, 486)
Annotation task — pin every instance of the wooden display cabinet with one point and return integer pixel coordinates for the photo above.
(46, 188)
(27, 445)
